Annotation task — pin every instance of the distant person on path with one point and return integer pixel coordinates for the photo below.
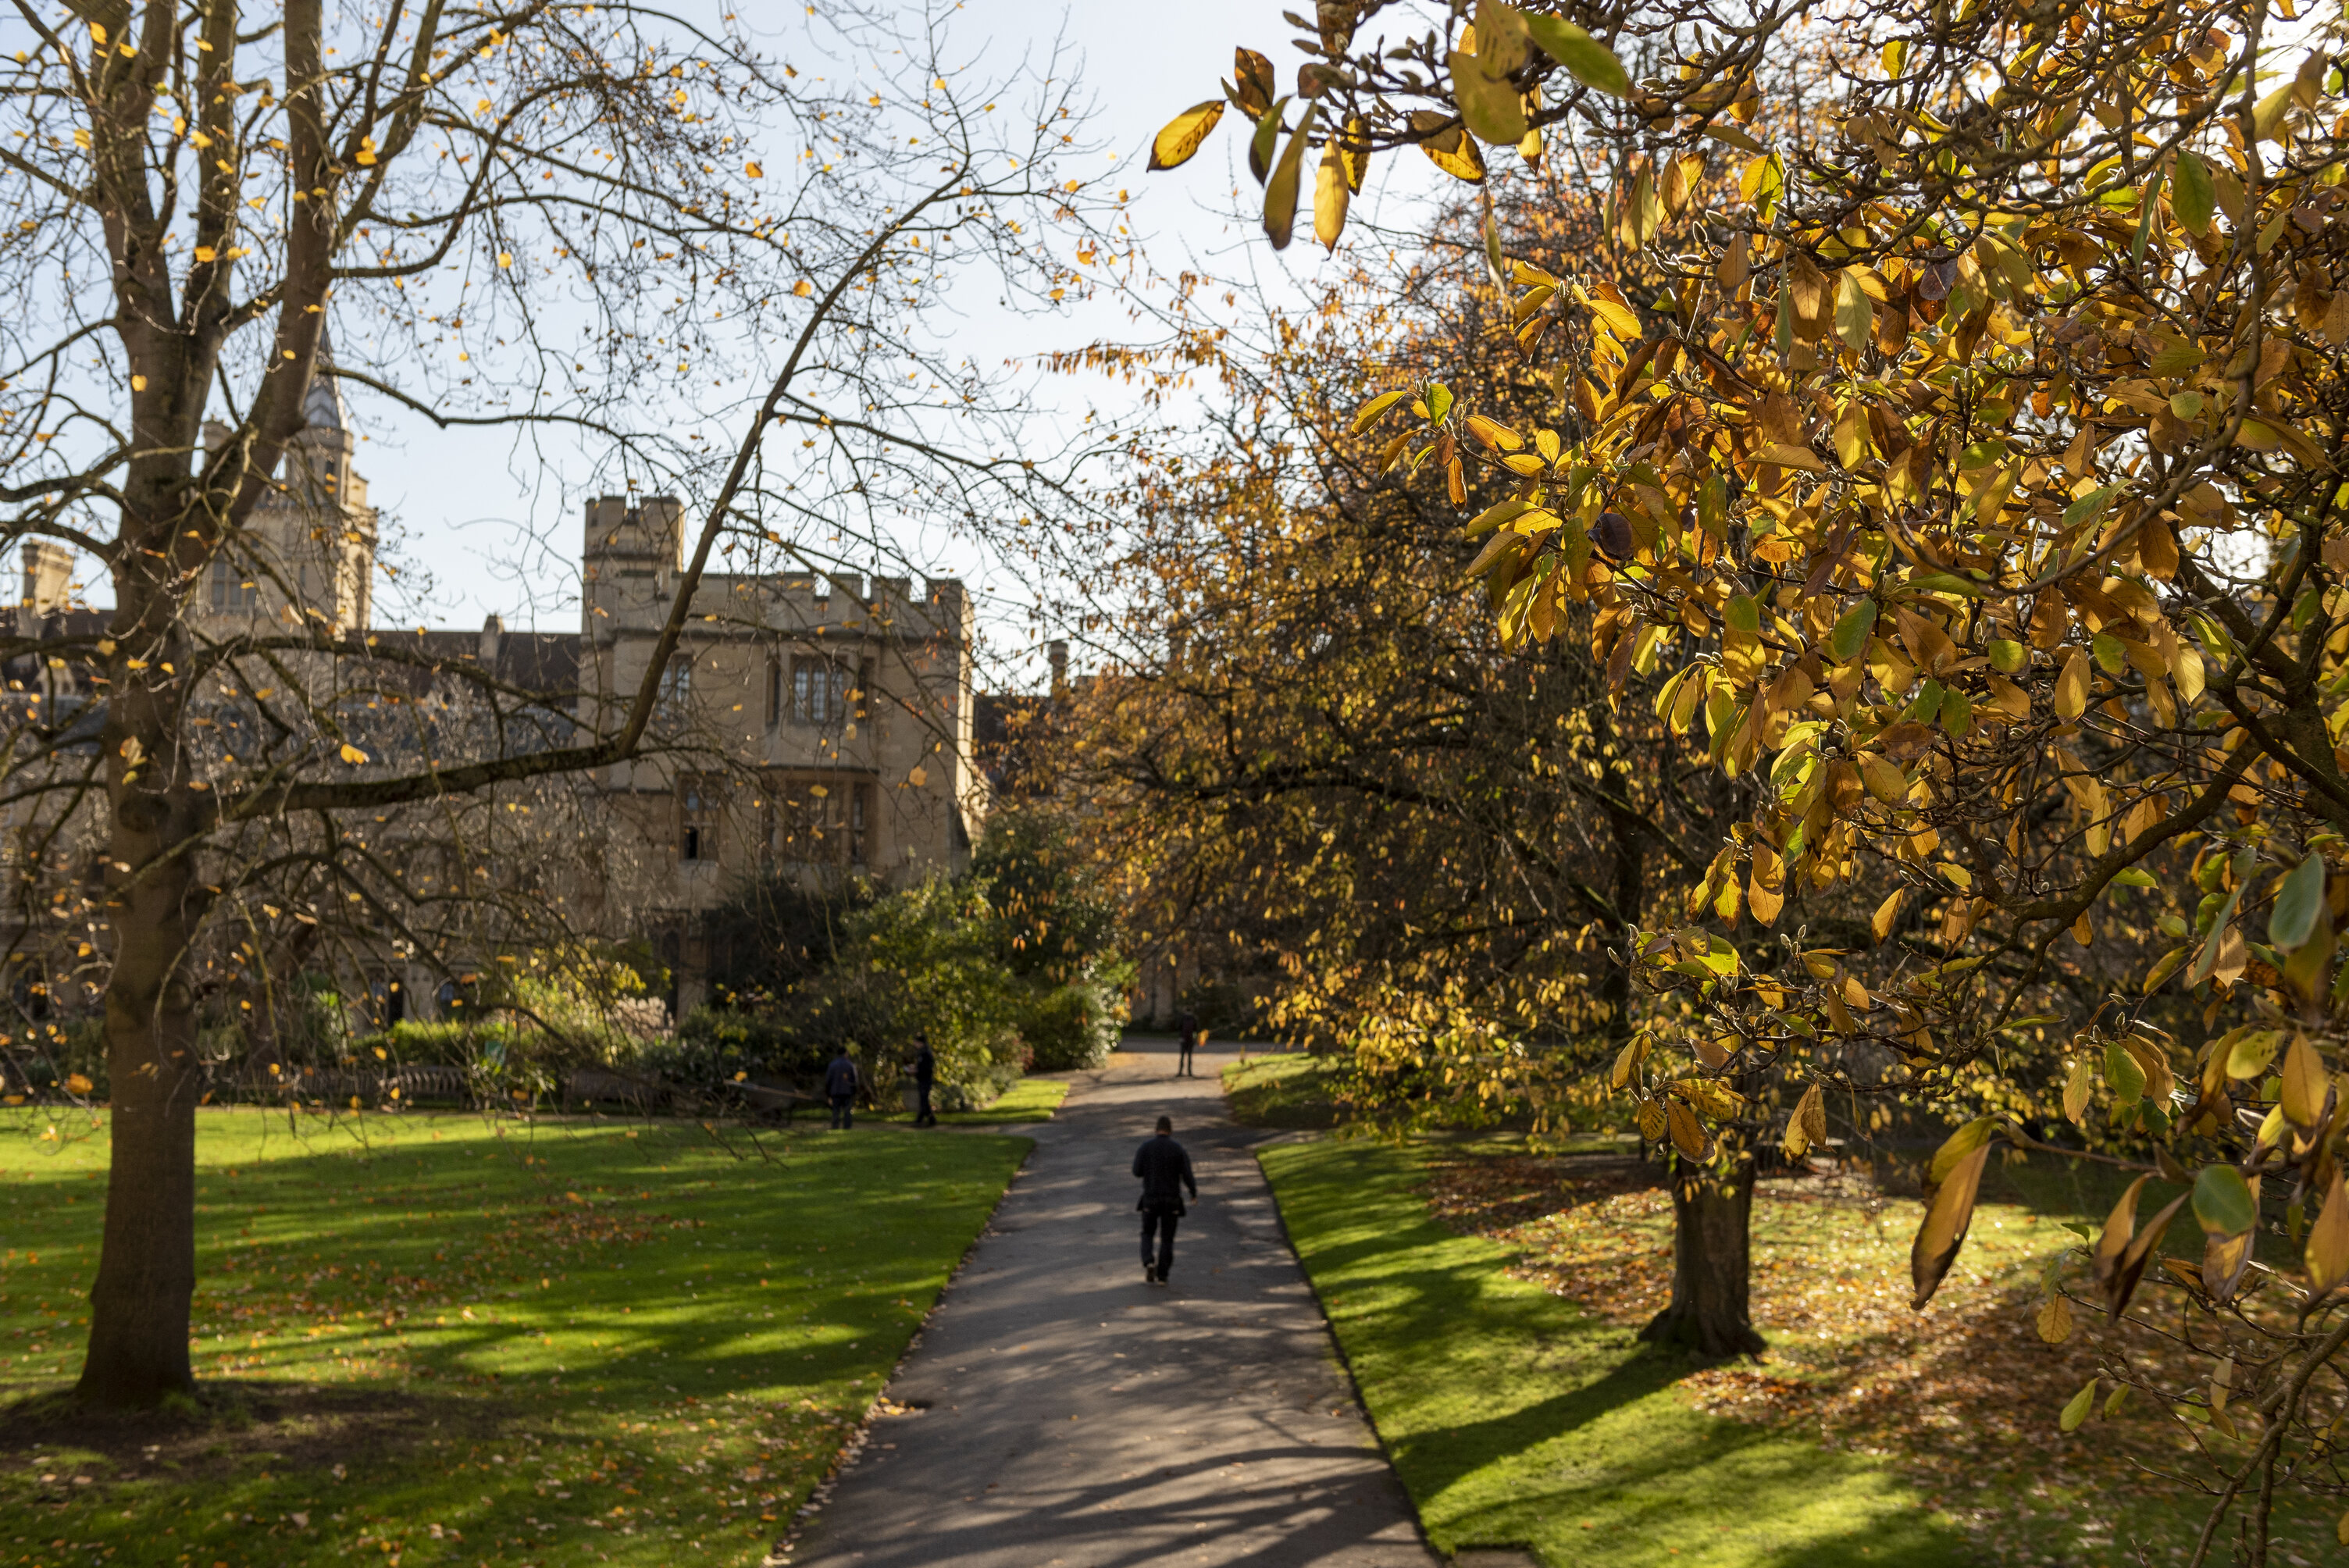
(1188, 1022)
(926, 1074)
(840, 1083)
(1164, 1168)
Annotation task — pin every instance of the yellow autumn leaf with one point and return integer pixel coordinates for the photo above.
(1880, 924)
(1688, 1133)
(1619, 317)
(2328, 1240)
(353, 755)
(1331, 197)
(2072, 686)
(1183, 136)
(1494, 435)
(1854, 317)
(1808, 1124)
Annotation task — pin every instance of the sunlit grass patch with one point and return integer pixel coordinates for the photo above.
(1286, 1089)
(1852, 1369)
(1517, 1419)
(1028, 1100)
(464, 1341)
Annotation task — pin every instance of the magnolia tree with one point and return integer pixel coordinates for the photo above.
(593, 225)
(1967, 452)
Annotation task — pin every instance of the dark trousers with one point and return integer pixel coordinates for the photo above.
(843, 1110)
(1159, 1223)
(1182, 1063)
(924, 1117)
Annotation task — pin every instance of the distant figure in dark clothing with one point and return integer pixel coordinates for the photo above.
(926, 1074)
(1188, 1022)
(1166, 1170)
(840, 1083)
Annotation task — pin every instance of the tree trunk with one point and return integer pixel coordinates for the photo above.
(1711, 1263)
(156, 901)
(147, 1260)
(155, 904)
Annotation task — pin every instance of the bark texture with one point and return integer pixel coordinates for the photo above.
(1711, 1263)
(147, 1260)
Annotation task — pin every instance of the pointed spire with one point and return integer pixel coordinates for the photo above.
(322, 404)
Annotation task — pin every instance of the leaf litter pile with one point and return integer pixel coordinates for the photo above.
(1850, 1362)
(454, 1340)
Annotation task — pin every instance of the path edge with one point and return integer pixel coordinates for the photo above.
(1330, 1331)
(852, 1447)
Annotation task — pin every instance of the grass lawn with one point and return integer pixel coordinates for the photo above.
(1514, 1418)
(1030, 1099)
(440, 1339)
(1488, 1302)
(1285, 1089)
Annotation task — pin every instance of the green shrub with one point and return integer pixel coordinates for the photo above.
(1073, 1028)
(922, 960)
(1007, 966)
(713, 1044)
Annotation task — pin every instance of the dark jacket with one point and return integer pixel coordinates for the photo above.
(1166, 1170)
(926, 1067)
(840, 1078)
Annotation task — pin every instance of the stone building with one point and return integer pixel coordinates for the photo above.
(308, 553)
(808, 724)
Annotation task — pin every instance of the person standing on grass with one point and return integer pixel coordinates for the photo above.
(925, 1075)
(840, 1083)
(1165, 1167)
(1188, 1022)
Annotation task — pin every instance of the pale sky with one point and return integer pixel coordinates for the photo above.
(495, 532)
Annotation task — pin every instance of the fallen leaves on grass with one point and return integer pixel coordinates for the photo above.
(1848, 1360)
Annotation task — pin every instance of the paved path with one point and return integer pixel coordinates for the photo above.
(1072, 1415)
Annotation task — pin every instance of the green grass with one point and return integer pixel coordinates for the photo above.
(445, 1340)
(1516, 1419)
(1287, 1090)
(1030, 1099)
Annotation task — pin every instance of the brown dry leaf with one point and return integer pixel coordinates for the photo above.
(1947, 1217)
(1688, 1133)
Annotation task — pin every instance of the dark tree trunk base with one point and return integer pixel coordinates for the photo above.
(1711, 1264)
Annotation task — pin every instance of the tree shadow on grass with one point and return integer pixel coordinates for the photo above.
(1854, 1369)
(231, 1423)
(1514, 1416)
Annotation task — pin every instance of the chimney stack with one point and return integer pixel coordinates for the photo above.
(494, 632)
(1057, 650)
(48, 576)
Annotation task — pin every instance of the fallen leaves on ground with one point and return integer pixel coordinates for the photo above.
(1848, 1359)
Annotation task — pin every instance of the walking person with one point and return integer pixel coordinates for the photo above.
(840, 1081)
(925, 1075)
(1188, 1022)
(1165, 1167)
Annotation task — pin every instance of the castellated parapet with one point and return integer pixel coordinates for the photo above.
(809, 724)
